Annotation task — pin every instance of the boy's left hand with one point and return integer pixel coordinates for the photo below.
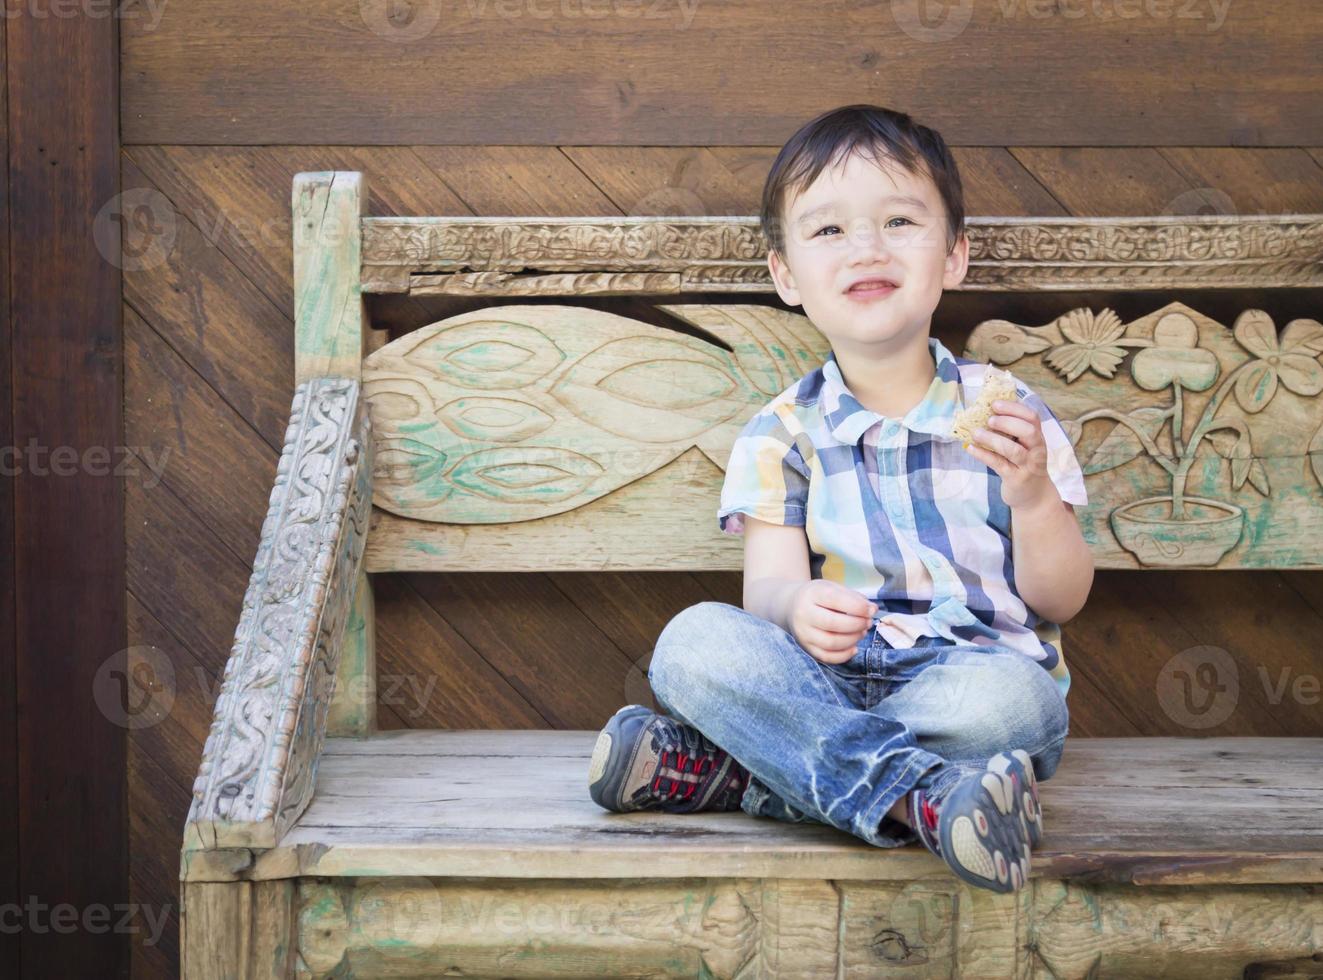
(1016, 449)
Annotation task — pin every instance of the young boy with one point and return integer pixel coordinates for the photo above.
(896, 670)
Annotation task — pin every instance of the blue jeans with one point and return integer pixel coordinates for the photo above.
(840, 743)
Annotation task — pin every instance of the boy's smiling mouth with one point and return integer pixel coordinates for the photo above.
(876, 288)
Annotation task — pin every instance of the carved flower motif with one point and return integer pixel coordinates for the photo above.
(1091, 344)
(1175, 356)
(1293, 361)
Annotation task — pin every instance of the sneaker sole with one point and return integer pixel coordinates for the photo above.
(610, 764)
(981, 834)
(1019, 764)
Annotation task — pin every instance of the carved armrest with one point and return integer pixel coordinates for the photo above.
(260, 761)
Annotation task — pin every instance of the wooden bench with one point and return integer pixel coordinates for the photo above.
(542, 436)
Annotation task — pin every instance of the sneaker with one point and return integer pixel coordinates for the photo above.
(1019, 769)
(976, 827)
(646, 761)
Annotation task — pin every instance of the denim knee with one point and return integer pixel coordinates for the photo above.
(685, 649)
(1033, 710)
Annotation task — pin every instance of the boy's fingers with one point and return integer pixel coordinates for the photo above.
(851, 605)
(833, 621)
(838, 641)
(1003, 407)
(1013, 425)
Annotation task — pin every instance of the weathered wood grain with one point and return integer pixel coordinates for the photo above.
(10, 817)
(1066, 74)
(728, 254)
(63, 819)
(1118, 809)
(211, 313)
(188, 438)
(239, 930)
(744, 927)
(385, 901)
(353, 709)
(260, 759)
(329, 316)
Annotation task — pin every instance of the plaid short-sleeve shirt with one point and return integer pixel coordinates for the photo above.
(898, 509)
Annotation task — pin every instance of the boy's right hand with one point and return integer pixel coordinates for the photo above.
(829, 619)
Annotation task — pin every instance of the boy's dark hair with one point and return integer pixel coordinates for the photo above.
(881, 133)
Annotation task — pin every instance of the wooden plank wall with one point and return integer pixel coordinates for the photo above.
(9, 817)
(63, 851)
(739, 72)
(1080, 118)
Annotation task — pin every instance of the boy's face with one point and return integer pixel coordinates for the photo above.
(859, 222)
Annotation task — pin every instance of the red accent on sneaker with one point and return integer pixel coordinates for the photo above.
(929, 813)
(679, 764)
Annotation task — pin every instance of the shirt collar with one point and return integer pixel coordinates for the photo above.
(934, 413)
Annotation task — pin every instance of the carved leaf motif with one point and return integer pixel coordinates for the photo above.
(534, 474)
(1303, 337)
(1236, 447)
(1122, 443)
(1255, 332)
(1258, 476)
(1255, 388)
(410, 461)
(1316, 455)
(1240, 466)
(486, 353)
(501, 419)
(1224, 441)
(649, 389)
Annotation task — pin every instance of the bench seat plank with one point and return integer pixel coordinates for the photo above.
(1152, 810)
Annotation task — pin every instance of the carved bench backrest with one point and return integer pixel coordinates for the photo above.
(548, 436)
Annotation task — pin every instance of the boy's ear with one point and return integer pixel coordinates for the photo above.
(957, 263)
(782, 278)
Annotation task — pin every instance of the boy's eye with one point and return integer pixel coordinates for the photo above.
(838, 227)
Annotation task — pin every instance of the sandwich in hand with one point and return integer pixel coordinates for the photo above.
(997, 385)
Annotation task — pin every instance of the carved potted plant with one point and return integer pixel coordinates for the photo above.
(1178, 529)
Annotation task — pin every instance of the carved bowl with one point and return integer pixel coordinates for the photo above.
(1209, 529)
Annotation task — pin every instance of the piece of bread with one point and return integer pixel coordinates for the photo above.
(997, 385)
